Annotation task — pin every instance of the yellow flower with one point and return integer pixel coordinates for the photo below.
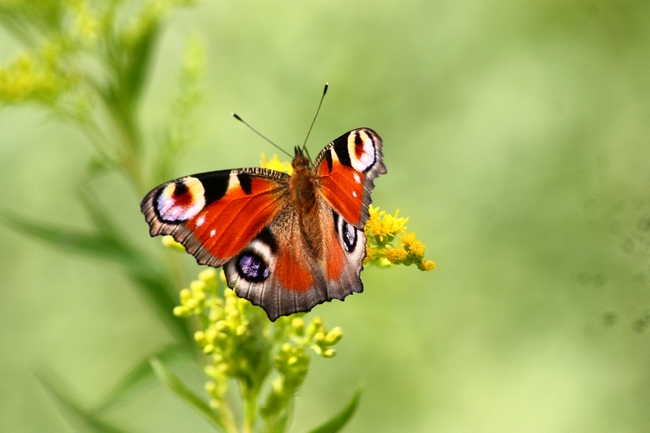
(416, 249)
(427, 265)
(396, 255)
(384, 232)
(276, 164)
(384, 226)
(169, 242)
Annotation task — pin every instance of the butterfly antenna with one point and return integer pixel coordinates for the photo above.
(315, 116)
(236, 116)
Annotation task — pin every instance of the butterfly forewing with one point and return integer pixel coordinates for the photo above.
(216, 214)
(346, 169)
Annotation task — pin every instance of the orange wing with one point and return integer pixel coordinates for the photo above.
(346, 169)
(216, 214)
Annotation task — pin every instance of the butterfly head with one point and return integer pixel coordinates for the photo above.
(300, 160)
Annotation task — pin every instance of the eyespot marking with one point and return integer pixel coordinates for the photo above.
(251, 267)
(361, 150)
(180, 200)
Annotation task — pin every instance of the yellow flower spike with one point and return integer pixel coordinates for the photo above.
(169, 242)
(416, 249)
(298, 326)
(328, 353)
(396, 255)
(179, 311)
(241, 330)
(208, 276)
(276, 164)
(197, 286)
(185, 296)
(334, 336)
(384, 226)
(199, 337)
(427, 265)
(407, 239)
(210, 334)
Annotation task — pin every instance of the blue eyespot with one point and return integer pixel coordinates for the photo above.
(251, 267)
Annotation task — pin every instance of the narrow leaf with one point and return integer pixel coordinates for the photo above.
(187, 395)
(88, 244)
(157, 288)
(142, 377)
(79, 419)
(155, 284)
(341, 419)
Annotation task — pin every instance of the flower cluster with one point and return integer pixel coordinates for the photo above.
(275, 164)
(243, 345)
(388, 243)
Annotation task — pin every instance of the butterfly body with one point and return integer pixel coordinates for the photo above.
(286, 242)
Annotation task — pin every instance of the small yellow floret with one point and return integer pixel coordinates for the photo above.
(428, 265)
(276, 164)
(396, 255)
(416, 249)
(169, 242)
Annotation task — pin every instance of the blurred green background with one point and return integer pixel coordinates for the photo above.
(517, 139)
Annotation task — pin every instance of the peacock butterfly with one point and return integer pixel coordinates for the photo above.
(286, 242)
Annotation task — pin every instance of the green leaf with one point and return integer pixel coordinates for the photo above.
(142, 377)
(341, 419)
(156, 289)
(79, 419)
(153, 282)
(87, 244)
(185, 394)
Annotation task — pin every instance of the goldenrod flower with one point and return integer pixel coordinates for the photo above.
(242, 344)
(275, 164)
(169, 242)
(384, 232)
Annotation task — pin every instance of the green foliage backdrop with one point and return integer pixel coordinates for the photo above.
(517, 139)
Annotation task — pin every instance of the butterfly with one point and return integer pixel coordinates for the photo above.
(286, 242)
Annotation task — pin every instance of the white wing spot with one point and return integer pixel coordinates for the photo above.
(354, 194)
(200, 221)
(357, 178)
(213, 232)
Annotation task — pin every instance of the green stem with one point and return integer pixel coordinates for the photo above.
(228, 420)
(250, 411)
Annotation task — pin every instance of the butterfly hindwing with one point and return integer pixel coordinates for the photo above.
(346, 169)
(216, 214)
(279, 271)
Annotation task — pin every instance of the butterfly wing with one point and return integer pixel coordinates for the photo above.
(346, 169)
(281, 272)
(216, 214)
